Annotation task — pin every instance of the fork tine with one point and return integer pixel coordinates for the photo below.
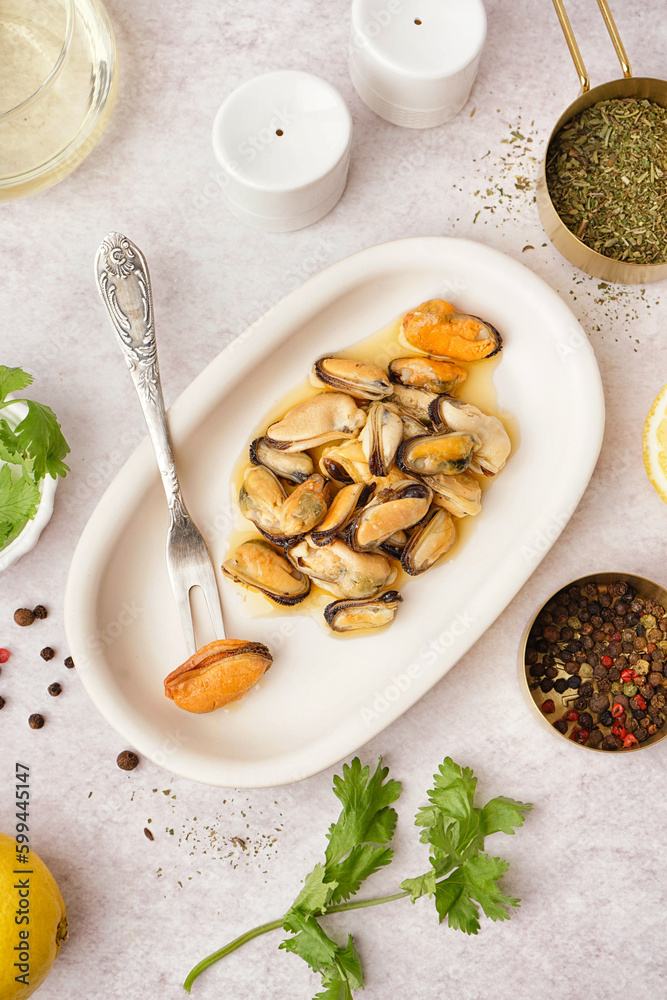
(209, 586)
(182, 596)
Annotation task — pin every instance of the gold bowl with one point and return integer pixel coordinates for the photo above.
(570, 246)
(535, 697)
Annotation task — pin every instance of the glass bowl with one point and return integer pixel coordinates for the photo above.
(58, 83)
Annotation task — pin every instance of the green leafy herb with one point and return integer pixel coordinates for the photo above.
(33, 449)
(461, 877)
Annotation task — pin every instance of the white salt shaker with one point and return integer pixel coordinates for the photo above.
(283, 142)
(413, 62)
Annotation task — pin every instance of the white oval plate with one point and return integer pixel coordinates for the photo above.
(324, 698)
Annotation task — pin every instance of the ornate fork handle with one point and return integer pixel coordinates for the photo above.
(124, 284)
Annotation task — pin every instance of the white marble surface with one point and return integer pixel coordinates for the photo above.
(588, 863)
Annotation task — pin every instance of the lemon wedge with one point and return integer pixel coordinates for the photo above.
(654, 443)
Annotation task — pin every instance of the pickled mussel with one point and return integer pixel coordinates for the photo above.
(296, 466)
(328, 416)
(380, 438)
(437, 454)
(414, 402)
(461, 495)
(494, 443)
(342, 571)
(374, 612)
(436, 328)
(341, 511)
(255, 564)
(427, 373)
(345, 463)
(282, 518)
(358, 378)
(392, 509)
(429, 542)
(217, 674)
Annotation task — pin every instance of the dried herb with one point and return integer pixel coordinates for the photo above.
(607, 177)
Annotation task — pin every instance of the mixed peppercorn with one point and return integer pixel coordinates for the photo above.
(603, 649)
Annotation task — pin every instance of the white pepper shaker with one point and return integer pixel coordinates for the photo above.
(413, 62)
(283, 141)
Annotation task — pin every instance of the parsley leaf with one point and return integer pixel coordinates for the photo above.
(39, 436)
(454, 828)
(475, 881)
(13, 380)
(500, 815)
(366, 817)
(19, 499)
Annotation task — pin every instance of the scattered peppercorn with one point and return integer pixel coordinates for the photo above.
(127, 760)
(47, 653)
(54, 689)
(40, 611)
(4, 655)
(36, 721)
(69, 663)
(2, 703)
(23, 616)
(148, 833)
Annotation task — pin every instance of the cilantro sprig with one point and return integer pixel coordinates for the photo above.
(33, 449)
(461, 878)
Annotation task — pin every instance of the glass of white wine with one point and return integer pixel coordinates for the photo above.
(58, 83)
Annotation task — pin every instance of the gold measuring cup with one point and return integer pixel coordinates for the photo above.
(569, 245)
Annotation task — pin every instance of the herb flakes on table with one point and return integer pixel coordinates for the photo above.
(460, 877)
(607, 177)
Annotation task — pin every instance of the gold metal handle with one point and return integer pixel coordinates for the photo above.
(615, 37)
(574, 48)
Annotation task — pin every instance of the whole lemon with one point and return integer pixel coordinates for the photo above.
(32, 921)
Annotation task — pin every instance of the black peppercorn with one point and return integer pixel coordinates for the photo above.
(536, 670)
(546, 684)
(606, 719)
(2, 703)
(36, 721)
(561, 726)
(574, 681)
(580, 704)
(551, 672)
(127, 760)
(638, 713)
(47, 653)
(586, 689)
(594, 737)
(69, 663)
(586, 720)
(40, 612)
(560, 685)
(610, 742)
(599, 703)
(54, 689)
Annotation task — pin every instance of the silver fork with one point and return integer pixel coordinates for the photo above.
(124, 284)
